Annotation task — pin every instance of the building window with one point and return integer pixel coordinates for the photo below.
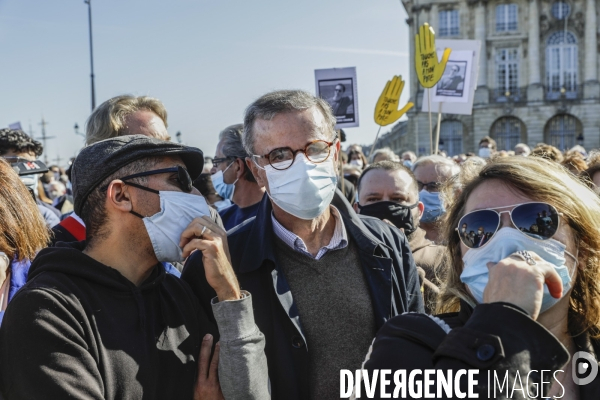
(560, 10)
(507, 71)
(449, 23)
(507, 133)
(562, 131)
(451, 137)
(506, 17)
(561, 65)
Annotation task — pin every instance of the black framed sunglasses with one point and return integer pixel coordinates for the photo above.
(217, 161)
(183, 179)
(537, 220)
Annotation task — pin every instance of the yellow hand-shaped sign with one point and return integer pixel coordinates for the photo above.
(386, 110)
(429, 70)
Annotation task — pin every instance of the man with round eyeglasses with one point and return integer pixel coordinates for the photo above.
(323, 278)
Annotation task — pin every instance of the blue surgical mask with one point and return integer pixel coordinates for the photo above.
(408, 164)
(504, 243)
(222, 204)
(31, 181)
(485, 152)
(225, 190)
(434, 208)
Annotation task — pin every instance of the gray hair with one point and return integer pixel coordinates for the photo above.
(387, 152)
(411, 155)
(232, 146)
(443, 166)
(281, 101)
(108, 119)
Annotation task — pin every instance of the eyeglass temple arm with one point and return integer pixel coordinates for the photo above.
(158, 171)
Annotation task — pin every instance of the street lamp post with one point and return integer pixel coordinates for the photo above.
(89, 3)
(76, 128)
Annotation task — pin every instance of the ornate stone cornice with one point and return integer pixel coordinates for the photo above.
(575, 22)
(476, 2)
(425, 7)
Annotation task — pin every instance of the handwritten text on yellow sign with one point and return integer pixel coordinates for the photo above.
(386, 109)
(429, 69)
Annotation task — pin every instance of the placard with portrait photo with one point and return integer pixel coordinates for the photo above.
(455, 91)
(337, 86)
(454, 85)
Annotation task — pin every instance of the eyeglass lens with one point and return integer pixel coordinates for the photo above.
(315, 152)
(537, 220)
(430, 186)
(185, 181)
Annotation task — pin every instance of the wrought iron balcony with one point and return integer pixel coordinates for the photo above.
(574, 92)
(514, 95)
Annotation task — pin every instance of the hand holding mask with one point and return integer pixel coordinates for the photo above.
(205, 235)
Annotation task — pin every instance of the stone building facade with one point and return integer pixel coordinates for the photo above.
(538, 77)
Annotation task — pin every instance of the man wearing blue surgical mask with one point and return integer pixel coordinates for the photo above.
(233, 179)
(431, 172)
(487, 147)
(323, 278)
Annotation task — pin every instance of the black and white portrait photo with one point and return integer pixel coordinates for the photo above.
(337, 86)
(452, 83)
(338, 93)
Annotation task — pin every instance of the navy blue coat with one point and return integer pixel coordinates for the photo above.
(387, 263)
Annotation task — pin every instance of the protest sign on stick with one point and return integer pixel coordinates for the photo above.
(386, 109)
(455, 91)
(429, 68)
(338, 87)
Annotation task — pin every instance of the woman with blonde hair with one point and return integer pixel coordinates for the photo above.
(24, 233)
(524, 301)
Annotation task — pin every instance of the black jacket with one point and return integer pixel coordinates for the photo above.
(79, 329)
(496, 337)
(387, 265)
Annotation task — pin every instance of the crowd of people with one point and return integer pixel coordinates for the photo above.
(149, 270)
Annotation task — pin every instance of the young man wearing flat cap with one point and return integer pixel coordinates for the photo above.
(102, 320)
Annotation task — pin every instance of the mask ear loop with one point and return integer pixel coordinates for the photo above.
(576, 258)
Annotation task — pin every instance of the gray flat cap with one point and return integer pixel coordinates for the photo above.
(97, 162)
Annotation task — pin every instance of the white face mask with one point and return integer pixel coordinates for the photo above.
(485, 152)
(305, 189)
(505, 242)
(177, 210)
(358, 163)
(31, 181)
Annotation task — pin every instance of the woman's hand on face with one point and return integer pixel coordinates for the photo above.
(514, 281)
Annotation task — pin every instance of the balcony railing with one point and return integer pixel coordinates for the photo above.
(515, 95)
(519, 95)
(574, 92)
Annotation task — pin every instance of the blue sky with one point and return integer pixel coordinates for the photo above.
(205, 59)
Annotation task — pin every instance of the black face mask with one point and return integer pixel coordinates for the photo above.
(397, 214)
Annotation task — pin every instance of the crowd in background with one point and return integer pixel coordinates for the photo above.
(292, 253)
